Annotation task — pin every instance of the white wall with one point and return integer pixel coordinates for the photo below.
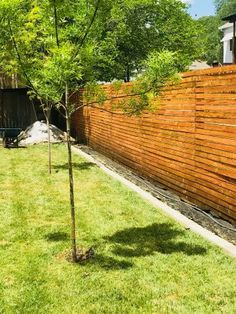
(228, 34)
(227, 53)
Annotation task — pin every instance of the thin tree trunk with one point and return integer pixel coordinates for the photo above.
(49, 143)
(47, 114)
(127, 73)
(16, 78)
(56, 22)
(71, 181)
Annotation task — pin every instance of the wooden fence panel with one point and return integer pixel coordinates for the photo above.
(16, 110)
(188, 144)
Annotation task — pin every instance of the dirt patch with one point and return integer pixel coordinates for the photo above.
(83, 255)
(204, 218)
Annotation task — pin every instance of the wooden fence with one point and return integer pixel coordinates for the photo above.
(16, 110)
(8, 81)
(188, 144)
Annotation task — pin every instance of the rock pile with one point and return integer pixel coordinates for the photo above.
(37, 133)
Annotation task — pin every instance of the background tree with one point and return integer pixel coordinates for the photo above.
(225, 7)
(210, 36)
(209, 39)
(136, 28)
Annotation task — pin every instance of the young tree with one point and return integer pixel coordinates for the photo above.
(58, 47)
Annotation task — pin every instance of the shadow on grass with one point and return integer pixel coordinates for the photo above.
(79, 166)
(144, 241)
(106, 262)
(109, 263)
(57, 236)
(15, 147)
(138, 242)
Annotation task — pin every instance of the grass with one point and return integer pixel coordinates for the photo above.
(145, 262)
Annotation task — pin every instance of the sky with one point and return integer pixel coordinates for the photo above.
(200, 8)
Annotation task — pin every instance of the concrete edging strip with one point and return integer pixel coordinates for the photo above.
(210, 236)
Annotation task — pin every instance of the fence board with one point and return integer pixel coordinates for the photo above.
(187, 145)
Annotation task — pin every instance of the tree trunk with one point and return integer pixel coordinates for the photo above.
(49, 143)
(71, 180)
(127, 73)
(47, 114)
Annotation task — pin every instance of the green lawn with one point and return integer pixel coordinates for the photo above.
(145, 262)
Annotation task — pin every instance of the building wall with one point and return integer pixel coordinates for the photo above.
(227, 52)
(228, 34)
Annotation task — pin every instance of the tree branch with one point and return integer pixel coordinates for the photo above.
(20, 60)
(88, 29)
(56, 22)
(92, 105)
(72, 94)
(58, 109)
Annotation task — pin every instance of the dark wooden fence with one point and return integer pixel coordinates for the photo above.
(188, 145)
(16, 109)
(8, 81)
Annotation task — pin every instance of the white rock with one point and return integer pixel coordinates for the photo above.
(37, 133)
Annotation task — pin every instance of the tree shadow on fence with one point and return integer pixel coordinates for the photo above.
(144, 241)
(78, 166)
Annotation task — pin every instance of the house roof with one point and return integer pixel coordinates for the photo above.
(227, 37)
(226, 25)
(231, 18)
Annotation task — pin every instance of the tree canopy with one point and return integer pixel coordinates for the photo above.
(96, 40)
(209, 39)
(225, 7)
(143, 27)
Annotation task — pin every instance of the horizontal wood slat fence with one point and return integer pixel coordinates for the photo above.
(188, 144)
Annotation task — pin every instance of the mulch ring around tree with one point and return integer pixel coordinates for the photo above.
(83, 255)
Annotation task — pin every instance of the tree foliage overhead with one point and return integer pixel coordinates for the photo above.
(209, 39)
(225, 7)
(137, 28)
(120, 36)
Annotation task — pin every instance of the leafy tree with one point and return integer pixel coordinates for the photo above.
(219, 4)
(209, 39)
(225, 7)
(58, 46)
(136, 28)
(210, 35)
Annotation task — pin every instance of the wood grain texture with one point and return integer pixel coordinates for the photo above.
(188, 144)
